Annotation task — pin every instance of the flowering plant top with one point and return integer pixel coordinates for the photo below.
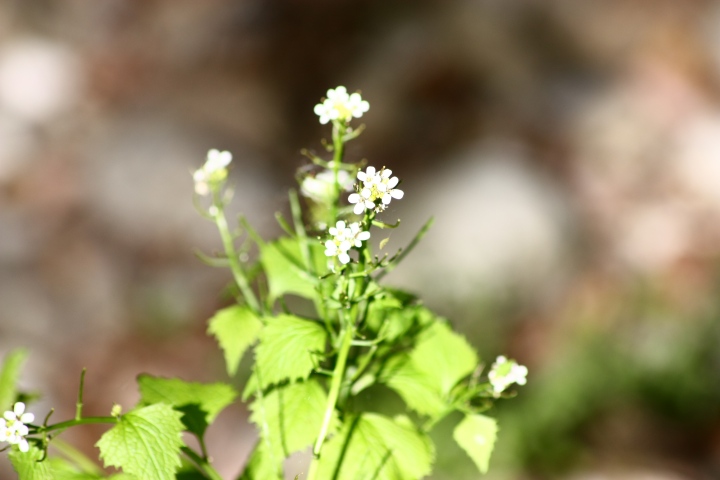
(309, 366)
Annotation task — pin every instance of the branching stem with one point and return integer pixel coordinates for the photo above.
(238, 273)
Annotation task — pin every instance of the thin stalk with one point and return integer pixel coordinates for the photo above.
(337, 135)
(73, 423)
(202, 464)
(335, 384)
(235, 267)
(413, 243)
(79, 403)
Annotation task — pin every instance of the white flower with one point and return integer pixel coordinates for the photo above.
(321, 187)
(375, 186)
(12, 426)
(505, 372)
(344, 238)
(362, 201)
(340, 106)
(214, 170)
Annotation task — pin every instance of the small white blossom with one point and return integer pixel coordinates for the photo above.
(340, 106)
(12, 426)
(362, 201)
(376, 185)
(344, 238)
(321, 187)
(505, 372)
(215, 169)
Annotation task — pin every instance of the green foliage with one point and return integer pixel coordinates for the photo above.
(199, 403)
(289, 417)
(145, 443)
(289, 349)
(28, 466)
(425, 377)
(235, 328)
(374, 447)
(283, 264)
(476, 435)
(444, 356)
(309, 367)
(262, 465)
(414, 387)
(64, 470)
(9, 376)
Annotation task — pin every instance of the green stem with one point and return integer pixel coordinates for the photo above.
(335, 384)
(73, 423)
(233, 258)
(202, 463)
(79, 403)
(337, 135)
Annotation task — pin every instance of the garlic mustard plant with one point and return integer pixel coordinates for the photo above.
(353, 336)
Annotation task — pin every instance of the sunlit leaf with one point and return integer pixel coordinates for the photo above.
(235, 328)
(288, 348)
(200, 403)
(145, 443)
(374, 447)
(27, 465)
(290, 417)
(476, 435)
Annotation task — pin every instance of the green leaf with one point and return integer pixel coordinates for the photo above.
(289, 417)
(416, 389)
(285, 270)
(27, 466)
(63, 469)
(476, 435)
(288, 347)
(389, 317)
(444, 356)
(235, 328)
(145, 443)
(200, 403)
(374, 447)
(9, 376)
(425, 377)
(262, 465)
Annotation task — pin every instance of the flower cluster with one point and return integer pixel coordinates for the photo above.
(505, 372)
(376, 186)
(343, 239)
(12, 426)
(340, 106)
(213, 171)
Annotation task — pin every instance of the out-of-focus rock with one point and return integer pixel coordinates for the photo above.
(39, 79)
(500, 224)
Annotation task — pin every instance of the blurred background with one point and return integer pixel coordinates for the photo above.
(569, 151)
